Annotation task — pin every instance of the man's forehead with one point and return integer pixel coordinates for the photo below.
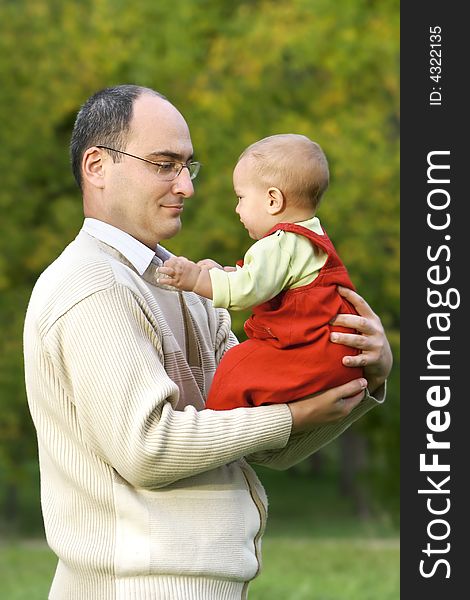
(152, 110)
(160, 126)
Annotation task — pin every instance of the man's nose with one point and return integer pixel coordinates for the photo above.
(183, 184)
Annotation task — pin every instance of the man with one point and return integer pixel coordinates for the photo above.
(145, 494)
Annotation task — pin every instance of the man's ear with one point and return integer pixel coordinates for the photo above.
(93, 168)
(276, 202)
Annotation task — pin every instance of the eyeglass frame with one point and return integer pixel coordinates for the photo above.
(194, 164)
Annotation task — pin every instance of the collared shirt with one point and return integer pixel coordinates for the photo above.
(141, 257)
(138, 254)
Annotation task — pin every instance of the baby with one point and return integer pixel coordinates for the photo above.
(289, 277)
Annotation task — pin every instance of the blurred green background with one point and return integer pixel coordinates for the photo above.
(238, 71)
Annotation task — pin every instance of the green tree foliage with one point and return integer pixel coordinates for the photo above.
(238, 71)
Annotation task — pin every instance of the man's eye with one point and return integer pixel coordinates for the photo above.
(166, 167)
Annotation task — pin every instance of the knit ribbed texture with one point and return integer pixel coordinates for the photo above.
(163, 587)
(144, 494)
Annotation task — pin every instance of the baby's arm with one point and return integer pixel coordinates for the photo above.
(248, 286)
(186, 275)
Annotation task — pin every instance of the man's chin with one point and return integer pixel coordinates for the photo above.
(171, 230)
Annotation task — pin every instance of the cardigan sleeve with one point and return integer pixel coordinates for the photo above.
(104, 358)
(302, 445)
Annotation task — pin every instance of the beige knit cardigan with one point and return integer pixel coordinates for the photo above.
(145, 495)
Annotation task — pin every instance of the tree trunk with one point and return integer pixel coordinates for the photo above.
(353, 460)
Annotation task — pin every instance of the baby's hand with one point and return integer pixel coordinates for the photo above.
(208, 263)
(179, 272)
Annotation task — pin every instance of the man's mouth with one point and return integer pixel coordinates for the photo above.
(175, 207)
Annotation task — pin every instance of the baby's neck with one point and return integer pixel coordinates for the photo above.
(295, 215)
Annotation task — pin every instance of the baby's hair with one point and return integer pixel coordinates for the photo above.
(292, 163)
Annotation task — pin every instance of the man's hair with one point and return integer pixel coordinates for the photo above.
(104, 120)
(292, 163)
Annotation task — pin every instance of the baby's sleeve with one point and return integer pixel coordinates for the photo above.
(264, 274)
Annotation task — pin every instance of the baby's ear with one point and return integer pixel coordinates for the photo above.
(275, 201)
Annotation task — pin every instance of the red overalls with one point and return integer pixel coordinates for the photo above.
(289, 354)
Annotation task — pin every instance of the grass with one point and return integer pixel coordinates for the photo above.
(329, 569)
(314, 549)
(26, 570)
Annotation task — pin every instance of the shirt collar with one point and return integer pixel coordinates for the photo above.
(139, 255)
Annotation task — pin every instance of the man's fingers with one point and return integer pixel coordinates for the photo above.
(328, 406)
(353, 340)
(348, 395)
(362, 324)
(351, 395)
(352, 388)
(357, 301)
(352, 401)
(359, 360)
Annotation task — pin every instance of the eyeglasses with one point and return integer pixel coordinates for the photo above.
(166, 170)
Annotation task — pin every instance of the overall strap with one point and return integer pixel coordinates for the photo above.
(322, 241)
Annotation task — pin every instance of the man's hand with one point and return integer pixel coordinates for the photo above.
(375, 356)
(185, 275)
(326, 407)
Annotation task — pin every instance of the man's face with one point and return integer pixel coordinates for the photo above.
(138, 202)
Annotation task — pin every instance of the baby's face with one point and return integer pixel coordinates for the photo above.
(252, 199)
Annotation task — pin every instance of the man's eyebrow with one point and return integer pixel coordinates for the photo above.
(171, 154)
